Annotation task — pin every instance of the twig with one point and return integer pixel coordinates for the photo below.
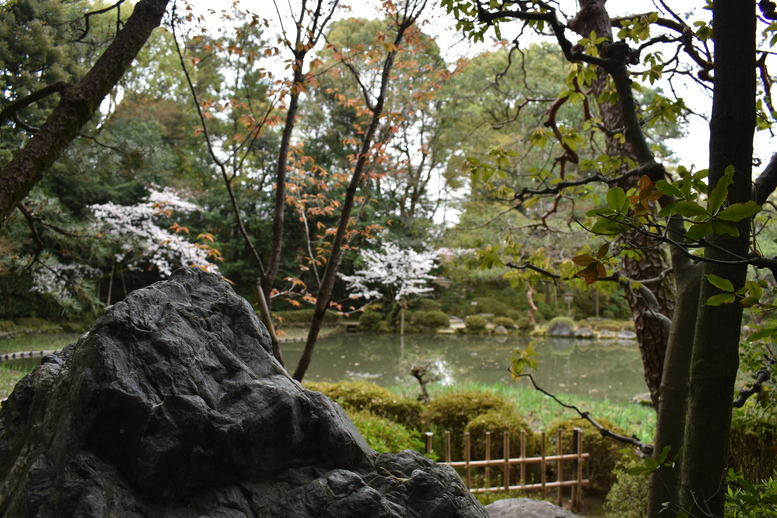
(646, 449)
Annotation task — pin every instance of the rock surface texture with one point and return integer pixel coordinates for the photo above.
(173, 406)
(526, 508)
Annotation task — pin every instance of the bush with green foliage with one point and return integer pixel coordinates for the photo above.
(628, 497)
(547, 311)
(563, 320)
(506, 322)
(427, 304)
(498, 422)
(514, 314)
(384, 435)
(752, 443)
(751, 500)
(452, 412)
(7, 326)
(475, 323)
(304, 316)
(490, 305)
(605, 453)
(362, 396)
(432, 319)
(370, 320)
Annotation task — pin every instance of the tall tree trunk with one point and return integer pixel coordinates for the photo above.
(409, 12)
(273, 262)
(77, 106)
(716, 345)
(651, 335)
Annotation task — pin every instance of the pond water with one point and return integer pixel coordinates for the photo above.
(609, 369)
(597, 368)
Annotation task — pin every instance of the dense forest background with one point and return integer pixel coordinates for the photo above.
(142, 190)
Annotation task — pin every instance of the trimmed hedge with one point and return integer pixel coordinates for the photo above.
(605, 453)
(384, 435)
(475, 323)
(362, 396)
(452, 412)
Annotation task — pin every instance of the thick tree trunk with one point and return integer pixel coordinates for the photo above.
(651, 335)
(77, 106)
(716, 344)
(664, 483)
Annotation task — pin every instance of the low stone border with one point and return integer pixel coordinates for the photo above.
(23, 354)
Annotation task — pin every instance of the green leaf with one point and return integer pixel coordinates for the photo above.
(699, 231)
(637, 470)
(739, 211)
(690, 209)
(720, 283)
(668, 189)
(605, 226)
(755, 289)
(719, 193)
(724, 228)
(616, 198)
(763, 333)
(721, 298)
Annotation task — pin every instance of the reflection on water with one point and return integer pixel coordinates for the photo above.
(607, 368)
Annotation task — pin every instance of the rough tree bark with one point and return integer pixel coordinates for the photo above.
(76, 107)
(593, 17)
(716, 344)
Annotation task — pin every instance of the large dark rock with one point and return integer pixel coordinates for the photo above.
(173, 406)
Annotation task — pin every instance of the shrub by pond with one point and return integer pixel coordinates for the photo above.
(362, 396)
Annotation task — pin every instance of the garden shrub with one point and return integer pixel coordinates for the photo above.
(433, 319)
(490, 305)
(506, 322)
(305, 316)
(752, 441)
(7, 326)
(563, 320)
(452, 412)
(32, 323)
(427, 304)
(497, 422)
(475, 323)
(547, 311)
(370, 320)
(515, 314)
(72, 327)
(605, 453)
(362, 396)
(628, 497)
(384, 435)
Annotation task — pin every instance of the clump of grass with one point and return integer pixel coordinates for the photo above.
(37, 342)
(542, 411)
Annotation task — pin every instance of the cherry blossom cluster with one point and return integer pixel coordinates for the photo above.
(403, 271)
(141, 239)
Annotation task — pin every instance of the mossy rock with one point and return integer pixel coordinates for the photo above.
(362, 396)
(604, 453)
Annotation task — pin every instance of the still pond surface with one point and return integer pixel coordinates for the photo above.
(597, 368)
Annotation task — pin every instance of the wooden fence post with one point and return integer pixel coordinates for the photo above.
(467, 459)
(560, 464)
(506, 456)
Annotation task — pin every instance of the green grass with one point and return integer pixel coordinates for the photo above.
(636, 419)
(37, 342)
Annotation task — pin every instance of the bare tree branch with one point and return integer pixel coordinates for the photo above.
(646, 449)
